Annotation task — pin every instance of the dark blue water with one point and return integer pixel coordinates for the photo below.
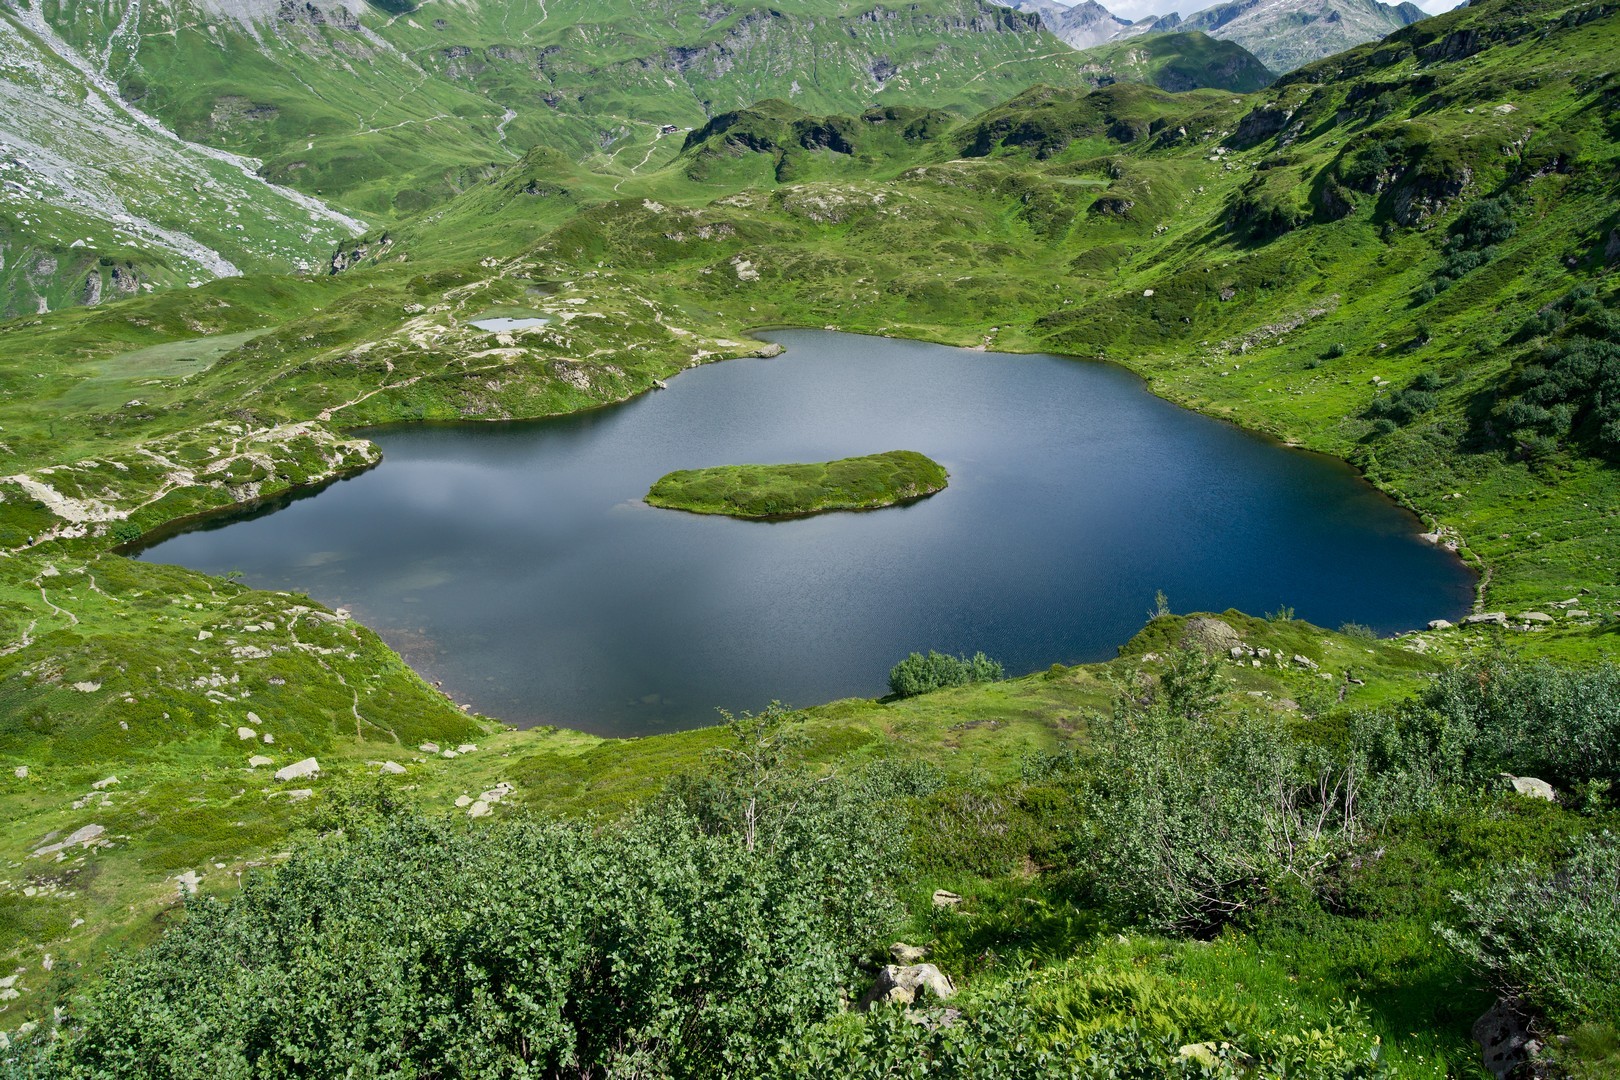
(517, 564)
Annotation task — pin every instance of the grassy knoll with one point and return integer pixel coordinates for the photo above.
(799, 490)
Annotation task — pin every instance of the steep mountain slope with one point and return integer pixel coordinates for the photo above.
(99, 199)
(382, 109)
(1285, 34)
(389, 111)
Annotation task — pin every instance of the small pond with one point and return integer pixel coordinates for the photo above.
(517, 563)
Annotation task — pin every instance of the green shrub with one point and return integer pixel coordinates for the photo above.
(415, 947)
(1193, 818)
(1553, 939)
(1493, 716)
(918, 674)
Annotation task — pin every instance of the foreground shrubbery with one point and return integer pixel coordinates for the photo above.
(720, 929)
(1550, 938)
(666, 946)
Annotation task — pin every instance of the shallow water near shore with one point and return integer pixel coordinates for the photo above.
(517, 563)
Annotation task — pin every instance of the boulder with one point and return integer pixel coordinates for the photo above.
(299, 769)
(103, 784)
(429, 748)
(259, 759)
(905, 985)
(1305, 662)
(392, 767)
(1497, 617)
(1505, 1042)
(901, 953)
(946, 898)
(1531, 788)
(246, 733)
(1439, 624)
(480, 808)
(1535, 617)
(1209, 634)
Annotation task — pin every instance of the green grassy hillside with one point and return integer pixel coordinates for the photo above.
(389, 112)
(1402, 255)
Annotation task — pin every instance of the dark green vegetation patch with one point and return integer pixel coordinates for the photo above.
(799, 490)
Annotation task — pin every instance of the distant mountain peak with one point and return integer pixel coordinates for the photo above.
(1286, 34)
(1082, 25)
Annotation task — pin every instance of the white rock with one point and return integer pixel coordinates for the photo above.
(478, 809)
(20, 772)
(1536, 617)
(189, 881)
(246, 733)
(269, 739)
(1439, 624)
(107, 783)
(392, 767)
(299, 769)
(463, 801)
(448, 754)
(466, 748)
(259, 759)
(1531, 788)
(300, 794)
(429, 748)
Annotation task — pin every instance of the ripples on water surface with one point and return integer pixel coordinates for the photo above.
(517, 563)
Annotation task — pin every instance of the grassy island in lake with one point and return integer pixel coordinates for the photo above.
(777, 491)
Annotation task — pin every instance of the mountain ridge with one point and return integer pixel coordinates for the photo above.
(1282, 34)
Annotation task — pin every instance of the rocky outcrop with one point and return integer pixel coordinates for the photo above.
(298, 770)
(908, 985)
(1506, 1044)
(1210, 635)
(1531, 787)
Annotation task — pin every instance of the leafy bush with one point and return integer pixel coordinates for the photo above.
(1553, 939)
(1194, 819)
(1571, 388)
(918, 674)
(1403, 406)
(1481, 719)
(416, 947)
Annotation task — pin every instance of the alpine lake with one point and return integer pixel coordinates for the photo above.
(517, 564)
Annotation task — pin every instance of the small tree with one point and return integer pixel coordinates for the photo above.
(758, 763)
